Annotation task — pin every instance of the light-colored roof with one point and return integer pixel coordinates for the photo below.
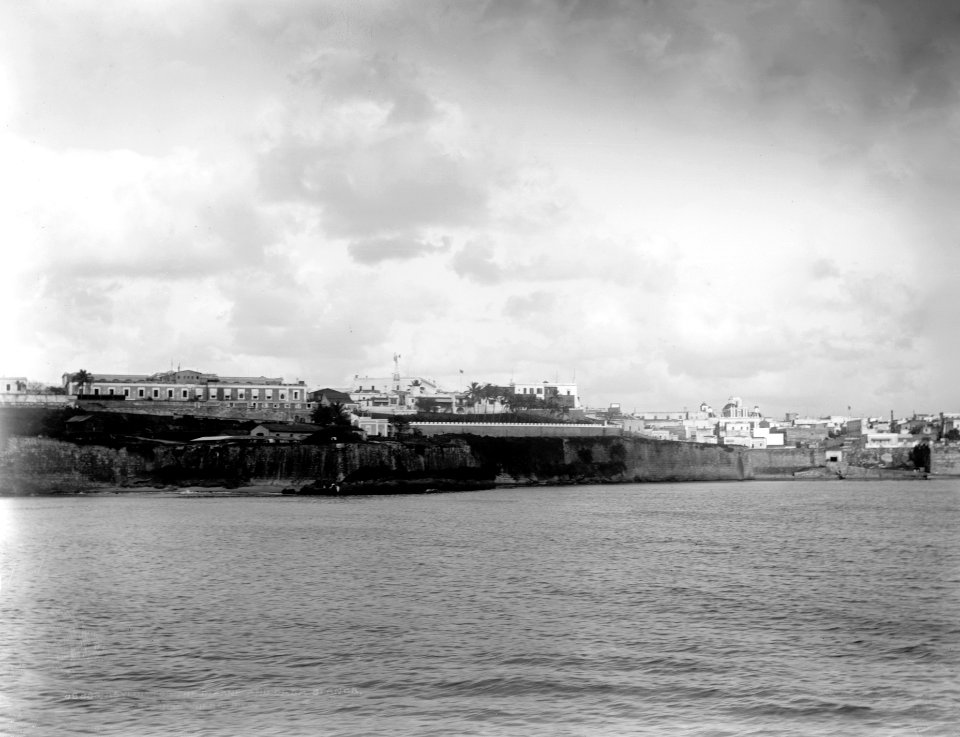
(212, 438)
(290, 427)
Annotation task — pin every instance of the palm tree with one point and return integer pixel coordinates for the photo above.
(332, 414)
(475, 393)
(341, 416)
(82, 378)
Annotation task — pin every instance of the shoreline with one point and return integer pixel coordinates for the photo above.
(434, 486)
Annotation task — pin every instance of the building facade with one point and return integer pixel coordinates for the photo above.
(254, 392)
(565, 394)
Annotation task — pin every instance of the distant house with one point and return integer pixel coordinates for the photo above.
(888, 440)
(284, 430)
(13, 385)
(329, 397)
(375, 426)
(337, 434)
(82, 425)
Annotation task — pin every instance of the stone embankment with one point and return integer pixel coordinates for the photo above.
(36, 465)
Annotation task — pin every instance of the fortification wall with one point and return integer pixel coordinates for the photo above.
(212, 408)
(516, 429)
(761, 463)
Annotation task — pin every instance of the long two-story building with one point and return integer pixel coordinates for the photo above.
(187, 386)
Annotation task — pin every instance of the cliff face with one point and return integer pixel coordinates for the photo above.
(35, 465)
(39, 465)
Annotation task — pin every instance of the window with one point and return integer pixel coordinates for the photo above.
(296, 394)
(269, 394)
(126, 392)
(140, 392)
(110, 391)
(283, 395)
(96, 390)
(169, 393)
(240, 394)
(255, 393)
(156, 393)
(183, 393)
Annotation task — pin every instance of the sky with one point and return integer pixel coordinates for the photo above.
(667, 202)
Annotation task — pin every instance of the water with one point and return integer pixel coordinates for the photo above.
(686, 609)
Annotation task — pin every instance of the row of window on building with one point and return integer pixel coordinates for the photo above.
(188, 394)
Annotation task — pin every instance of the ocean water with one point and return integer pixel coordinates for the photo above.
(780, 608)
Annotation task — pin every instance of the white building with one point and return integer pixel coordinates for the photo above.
(567, 394)
(13, 384)
(399, 394)
(374, 426)
(888, 440)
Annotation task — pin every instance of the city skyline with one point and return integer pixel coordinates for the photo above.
(672, 202)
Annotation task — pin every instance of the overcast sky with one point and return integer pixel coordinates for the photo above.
(672, 202)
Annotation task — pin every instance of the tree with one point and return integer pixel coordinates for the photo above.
(475, 393)
(82, 378)
(401, 424)
(953, 434)
(333, 414)
(526, 401)
(428, 404)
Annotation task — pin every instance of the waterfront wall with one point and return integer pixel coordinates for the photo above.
(773, 463)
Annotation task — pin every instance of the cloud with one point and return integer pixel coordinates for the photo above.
(361, 140)
(400, 182)
(93, 213)
(529, 305)
(476, 261)
(376, 250)
(676, 200)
